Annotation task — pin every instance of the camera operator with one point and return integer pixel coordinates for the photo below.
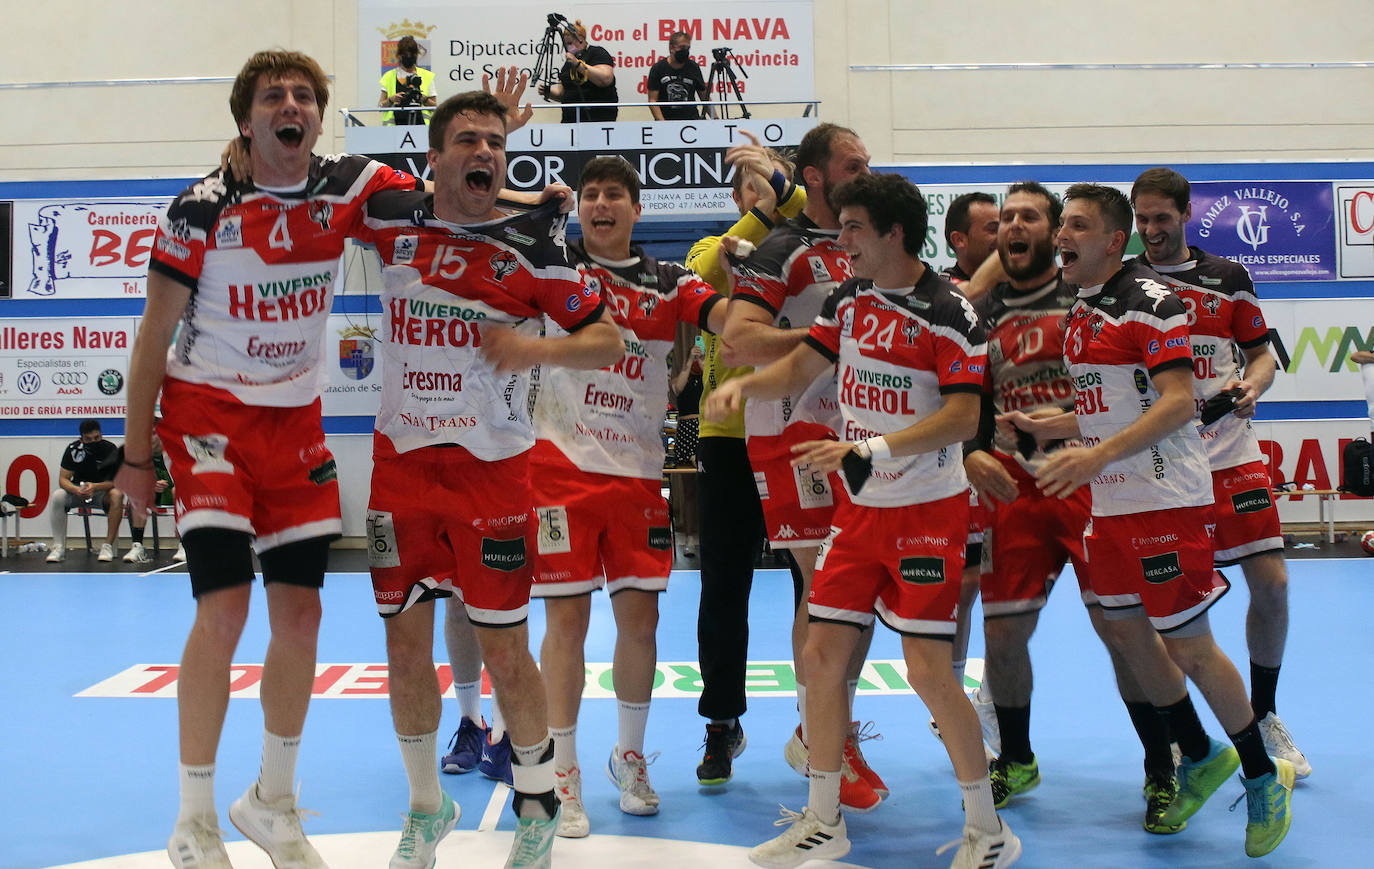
(588, 76)
(407, 85)
(676, 79)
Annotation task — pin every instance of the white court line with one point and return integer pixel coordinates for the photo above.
(495, 805)
(164, 568)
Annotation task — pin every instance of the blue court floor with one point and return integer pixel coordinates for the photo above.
(88, 763)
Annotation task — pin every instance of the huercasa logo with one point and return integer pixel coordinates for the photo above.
(1159, 569)
(1253, 501)
(922, 571)
(503, 555)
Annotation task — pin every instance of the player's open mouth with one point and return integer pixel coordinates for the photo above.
(1016, 248)
(1068, 257)
(478, 180)
(291, 134)
(603, 222)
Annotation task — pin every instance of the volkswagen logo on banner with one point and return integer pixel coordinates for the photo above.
(29, 382)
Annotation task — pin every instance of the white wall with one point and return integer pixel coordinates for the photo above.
(987, 117)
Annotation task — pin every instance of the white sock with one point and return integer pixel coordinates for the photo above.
(853, 687)
(823, 795)
(422, 770)
(979, 812)
(197, 792)
(801, 712)
(532, 775)
(634, 717)
(469, 696)
(498, 721)
(564, 747)
(278, 766)
(959, 667)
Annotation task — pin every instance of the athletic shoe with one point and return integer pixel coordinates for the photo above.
(495, 761)
(723, 743)
(797, 755)
(979, 850)
(137, 555)
(275, 827)
(107, 553)
(198, 844)
(1160, 793)
(465, 748)
(58, 553)
(855, 756)
(1269, 804)
(1198, 780)
(807, 838)
(1278, 742)
(856, 794)
(629, 771)
(422, 834)
(987, 749)
(981, 699)
(180, 554)
(572, 822)
(1010, 778)
(533, 844)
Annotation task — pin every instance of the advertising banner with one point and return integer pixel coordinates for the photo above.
(83, 248)
(353, 350)
(1313, 340)
(57, 368)
(1279, 230)
(6, 260)
(1355, 228)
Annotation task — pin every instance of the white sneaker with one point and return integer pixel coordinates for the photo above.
(807, 838)
(1278, 742)
(630, 773)
(979, 850)
(275, 827)
(107, 553)
(422, 834)
(981, 699)
(137, 555)
(797, 755)
(573, 822)
(180, 554)
(58, 553)
(198, 844)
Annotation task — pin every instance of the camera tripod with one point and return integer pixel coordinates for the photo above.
(550, 46)
(724, 65)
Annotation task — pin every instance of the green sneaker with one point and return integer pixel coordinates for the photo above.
(1010, 778)
(1159, 795)
(532, 847)
(422, 834)
(1269, 801)
(1198, 780)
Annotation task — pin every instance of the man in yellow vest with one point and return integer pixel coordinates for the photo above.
(407, 85)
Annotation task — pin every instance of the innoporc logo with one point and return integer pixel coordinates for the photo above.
(357, 351)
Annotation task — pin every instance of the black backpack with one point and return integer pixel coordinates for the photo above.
(1358, 476)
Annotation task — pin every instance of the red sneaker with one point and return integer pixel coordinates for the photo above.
(855, 758)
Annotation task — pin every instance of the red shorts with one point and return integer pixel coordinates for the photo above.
(902, 563)
(1028, 542)
(798, 503)
(441, 523)
(595, 530)
(1160, 559)
(1247, 519)
(263, 470)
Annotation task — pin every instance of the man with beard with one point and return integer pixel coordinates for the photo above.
(779, 291)
(1225, 323)
(1029, 536)
(465, 285)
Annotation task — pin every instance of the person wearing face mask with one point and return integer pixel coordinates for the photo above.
(588, 76)
(676, 79)
(407, 85)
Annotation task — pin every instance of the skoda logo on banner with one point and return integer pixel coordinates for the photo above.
(1253, 225)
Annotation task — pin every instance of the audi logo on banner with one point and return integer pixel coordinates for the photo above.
(69, 378)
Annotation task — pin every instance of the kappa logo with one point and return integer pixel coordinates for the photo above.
(787, 532)
(229, 232)
(403, 249)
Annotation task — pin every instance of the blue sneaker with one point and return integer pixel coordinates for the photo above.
(465, 749)
(495, 762)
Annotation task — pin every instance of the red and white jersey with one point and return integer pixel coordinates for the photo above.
(1224, 318)
(898, 354)
(442, 287)
(261, 266)
(610, 421)
(1119, 335)
(1026, 369)
(790, 276)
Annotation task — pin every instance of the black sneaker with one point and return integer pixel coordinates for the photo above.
(1160, 792)
(724, 743)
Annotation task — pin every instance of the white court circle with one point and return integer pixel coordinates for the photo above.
(471, 848)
